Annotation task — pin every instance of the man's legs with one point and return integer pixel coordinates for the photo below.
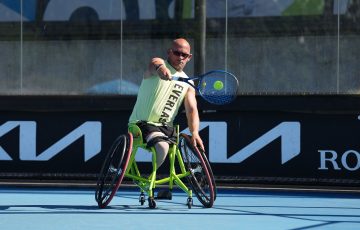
(161, 147)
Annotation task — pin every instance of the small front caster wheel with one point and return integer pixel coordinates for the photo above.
(189, 202)
(152, 203)
(142, 198)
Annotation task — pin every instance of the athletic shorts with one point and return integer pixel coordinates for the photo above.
(146, 129)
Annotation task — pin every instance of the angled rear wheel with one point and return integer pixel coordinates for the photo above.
(113, 170)
(201, 178)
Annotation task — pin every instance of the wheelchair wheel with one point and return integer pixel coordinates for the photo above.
(210, 173)
(201, 178)
(113, 170)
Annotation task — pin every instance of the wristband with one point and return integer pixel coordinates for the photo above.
(157, 67)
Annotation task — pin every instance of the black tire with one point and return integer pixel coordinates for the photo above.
(113, 170)
(201, 178)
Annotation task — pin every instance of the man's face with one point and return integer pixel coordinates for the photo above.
(178, 56)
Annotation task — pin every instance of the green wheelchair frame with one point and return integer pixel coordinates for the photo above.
(120, 163)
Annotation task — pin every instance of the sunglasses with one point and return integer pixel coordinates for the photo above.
(180, 54)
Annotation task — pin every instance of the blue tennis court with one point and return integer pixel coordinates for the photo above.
(244, 208)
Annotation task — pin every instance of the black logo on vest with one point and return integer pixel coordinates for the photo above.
(171, 103)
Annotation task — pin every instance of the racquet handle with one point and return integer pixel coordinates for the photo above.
(177, 78)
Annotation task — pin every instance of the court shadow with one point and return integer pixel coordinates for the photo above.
(12, 209)
(164, 208)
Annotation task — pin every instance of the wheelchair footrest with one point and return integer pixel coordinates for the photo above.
(164, 195)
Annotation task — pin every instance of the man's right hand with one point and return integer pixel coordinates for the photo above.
(164, 73)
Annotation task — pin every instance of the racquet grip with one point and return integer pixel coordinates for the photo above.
(177, 78)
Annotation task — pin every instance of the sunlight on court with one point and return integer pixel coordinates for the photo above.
(233, 209)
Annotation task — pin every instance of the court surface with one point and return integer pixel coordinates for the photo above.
(75, 208)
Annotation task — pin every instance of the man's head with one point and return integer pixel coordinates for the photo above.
(179, 54)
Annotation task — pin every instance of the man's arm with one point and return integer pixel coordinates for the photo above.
(193, 119)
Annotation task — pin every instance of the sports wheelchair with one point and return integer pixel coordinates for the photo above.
(194, 172)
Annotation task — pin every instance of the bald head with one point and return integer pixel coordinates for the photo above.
(181, 43)
(179, 54)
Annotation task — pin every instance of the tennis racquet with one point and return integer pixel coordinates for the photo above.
(216, 87)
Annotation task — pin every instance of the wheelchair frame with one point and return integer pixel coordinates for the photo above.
(148, 184)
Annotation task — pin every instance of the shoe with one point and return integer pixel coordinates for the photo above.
(164, 195)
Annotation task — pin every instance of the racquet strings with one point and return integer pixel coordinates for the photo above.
(218, 87)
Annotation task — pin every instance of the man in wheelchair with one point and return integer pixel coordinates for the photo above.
(159, 100)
